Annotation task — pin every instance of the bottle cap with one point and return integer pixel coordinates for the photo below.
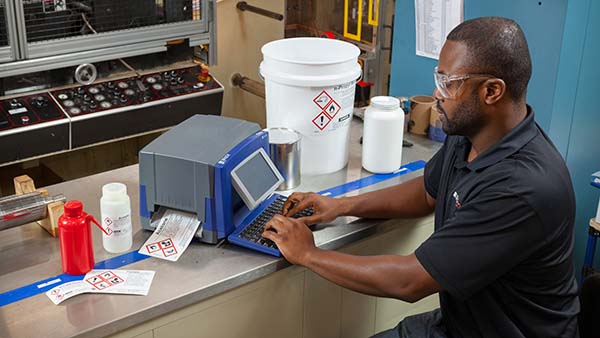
(114, 190)
(73, 208)
(385, 102)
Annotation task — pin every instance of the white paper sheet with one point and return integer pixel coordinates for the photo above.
(128, 282)
(434, 19)
(174, 232)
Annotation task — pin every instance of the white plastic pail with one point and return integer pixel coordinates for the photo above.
(309, 87)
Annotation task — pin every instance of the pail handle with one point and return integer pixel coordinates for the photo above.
(362, 73)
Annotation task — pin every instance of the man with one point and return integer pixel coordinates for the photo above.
(501, 253)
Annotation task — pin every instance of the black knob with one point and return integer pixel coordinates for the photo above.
(86, 97)
(110, 84)
(173, 73)
(123, 99)
(80, 90)
(14, 103)
(179, 79)
(173, 82)
(93, 105)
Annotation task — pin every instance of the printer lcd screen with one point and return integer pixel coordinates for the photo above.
(256, 178)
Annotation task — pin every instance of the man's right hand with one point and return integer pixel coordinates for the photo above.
(325, 209)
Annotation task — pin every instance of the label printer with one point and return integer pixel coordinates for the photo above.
(215, 167)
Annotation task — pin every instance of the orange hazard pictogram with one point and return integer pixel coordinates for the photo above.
(322, 120)
(333, 109)
(322, 100)
(104, 280)
(166, 246)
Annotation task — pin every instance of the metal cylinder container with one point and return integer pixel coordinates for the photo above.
(16, 210)
(284, 146)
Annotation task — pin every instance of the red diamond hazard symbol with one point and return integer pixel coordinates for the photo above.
(322, 100)
(333, 109)
(321, 121)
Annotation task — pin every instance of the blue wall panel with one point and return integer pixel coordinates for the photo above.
(568, 73)
(543, 26)
(583, 154)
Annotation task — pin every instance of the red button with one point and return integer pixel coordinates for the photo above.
(25, 119)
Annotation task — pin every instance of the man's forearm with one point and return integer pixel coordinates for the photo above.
(399, 277)
(401, 201)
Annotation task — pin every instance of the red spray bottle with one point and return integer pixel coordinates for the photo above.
(76, 244)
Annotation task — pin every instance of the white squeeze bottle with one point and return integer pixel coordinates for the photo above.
(382, 135)
(115, 209)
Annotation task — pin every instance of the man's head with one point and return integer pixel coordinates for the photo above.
(484, 67)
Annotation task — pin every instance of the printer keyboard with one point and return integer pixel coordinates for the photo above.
(253, 232)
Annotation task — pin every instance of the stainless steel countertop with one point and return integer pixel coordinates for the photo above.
(28, 254)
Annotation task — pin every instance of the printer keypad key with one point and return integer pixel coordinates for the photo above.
(254, 231)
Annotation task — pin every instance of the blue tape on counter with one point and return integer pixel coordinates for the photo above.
(373, 179)
(47, 284)
(42, 286)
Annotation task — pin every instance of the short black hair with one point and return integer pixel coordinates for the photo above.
(496, 46)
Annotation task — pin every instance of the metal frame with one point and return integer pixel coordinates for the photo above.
(73, 59)
(64, 52)
(212, 26)
(380, 70)
(8, 53)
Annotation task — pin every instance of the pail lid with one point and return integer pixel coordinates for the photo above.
(311, 51)
(114, 190)
(385, 102)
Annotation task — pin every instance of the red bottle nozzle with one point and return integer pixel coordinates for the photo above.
(91, 218)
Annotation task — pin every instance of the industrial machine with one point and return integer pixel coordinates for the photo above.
(79, 73)
(366, 23)
(219, 169)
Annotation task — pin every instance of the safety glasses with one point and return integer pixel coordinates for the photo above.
(449, 85)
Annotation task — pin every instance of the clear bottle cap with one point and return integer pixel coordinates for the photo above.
(114, 190)
(385, 102)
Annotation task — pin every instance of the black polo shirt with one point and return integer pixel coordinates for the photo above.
(503, 240)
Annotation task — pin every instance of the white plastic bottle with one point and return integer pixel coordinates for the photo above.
(115, 209)
(382, 135)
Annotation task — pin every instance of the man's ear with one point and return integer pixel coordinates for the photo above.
(494, 90)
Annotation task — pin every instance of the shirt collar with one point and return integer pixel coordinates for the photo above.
(508, 145)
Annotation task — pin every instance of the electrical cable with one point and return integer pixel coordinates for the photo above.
(89, 25)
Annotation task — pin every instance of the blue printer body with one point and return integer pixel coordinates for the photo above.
(189, 168)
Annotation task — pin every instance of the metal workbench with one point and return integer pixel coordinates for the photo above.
(28, 254)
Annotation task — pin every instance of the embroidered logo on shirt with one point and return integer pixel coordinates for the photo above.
(456, 200)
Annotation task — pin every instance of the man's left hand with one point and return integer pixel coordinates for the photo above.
(293, 238)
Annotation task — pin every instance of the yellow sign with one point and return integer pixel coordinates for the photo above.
(359, 24)
(374, 21)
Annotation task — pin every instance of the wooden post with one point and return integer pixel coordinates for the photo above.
(24, 185)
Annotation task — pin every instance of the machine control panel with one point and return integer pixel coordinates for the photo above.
(28, 110)
(130, 91)
(69, 118)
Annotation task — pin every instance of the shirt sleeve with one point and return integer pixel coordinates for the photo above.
(433, 171)
(483, 240)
